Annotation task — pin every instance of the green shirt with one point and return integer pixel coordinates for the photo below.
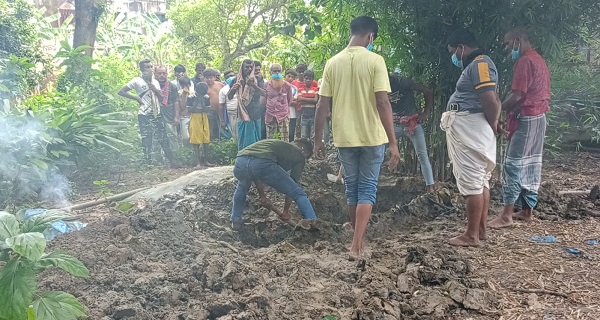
(285, 154)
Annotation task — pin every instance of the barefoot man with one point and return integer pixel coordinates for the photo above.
(267, 162)
(471, 121)
(216, 117)
(525, 105)
(356, 80)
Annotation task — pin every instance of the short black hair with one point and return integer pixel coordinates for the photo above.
(301, 67)
(185, 82)
(179, 68)
(307, 144)
(520, 32)
(142, 63)
(200, 65)
(363, 25)
(229, 71)
(309, 73)
(201, 89)
(248, 61)
(292, 72)
(209, 73)
(257, 63)
(464, 37)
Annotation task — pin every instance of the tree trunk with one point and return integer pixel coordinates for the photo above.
(87, 15)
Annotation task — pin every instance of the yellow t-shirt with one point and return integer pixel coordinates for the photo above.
(351, 78)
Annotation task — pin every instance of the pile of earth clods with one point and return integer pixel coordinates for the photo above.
(177, 258)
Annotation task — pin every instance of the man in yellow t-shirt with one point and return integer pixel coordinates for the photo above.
(356, 79)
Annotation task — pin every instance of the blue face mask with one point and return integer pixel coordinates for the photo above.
(276, 76)
(229, 80)
(456, 61)
(515, 54)
(370, 46)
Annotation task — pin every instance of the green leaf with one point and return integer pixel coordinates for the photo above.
(17, 286)
(64, 261)
(9, 226)
(58, 305)
(40, 164)
(30, 245)
(125, 206)
(40, 222)
(31, 313)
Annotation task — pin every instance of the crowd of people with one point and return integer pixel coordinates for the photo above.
(282, 121)
(240, 105)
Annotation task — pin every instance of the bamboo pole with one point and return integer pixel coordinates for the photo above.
(116, 197)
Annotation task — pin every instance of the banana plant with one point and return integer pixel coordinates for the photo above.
(22, 251)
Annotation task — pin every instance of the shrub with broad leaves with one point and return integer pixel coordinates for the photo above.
(22, 253)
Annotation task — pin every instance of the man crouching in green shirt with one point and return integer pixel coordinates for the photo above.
(267, 162)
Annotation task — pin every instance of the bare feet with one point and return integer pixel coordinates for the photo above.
(482, 234)
(500, 222)
(524, 215)
(431, 188)
(463, 241)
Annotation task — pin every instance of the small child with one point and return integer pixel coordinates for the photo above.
(199, 124)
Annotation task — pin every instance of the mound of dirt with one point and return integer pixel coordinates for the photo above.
(176, 258)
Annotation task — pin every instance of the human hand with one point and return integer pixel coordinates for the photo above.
(154, 88)
(394, 157)
(500, 129)
(236, 86)
(319, 149)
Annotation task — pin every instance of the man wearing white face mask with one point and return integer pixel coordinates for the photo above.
(471, 121)
(525, 105)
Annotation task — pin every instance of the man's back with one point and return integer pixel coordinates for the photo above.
(351, 78)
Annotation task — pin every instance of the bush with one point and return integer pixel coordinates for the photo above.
(56, 132)
(22, 247)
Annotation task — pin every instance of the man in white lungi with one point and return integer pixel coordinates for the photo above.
(471, 123)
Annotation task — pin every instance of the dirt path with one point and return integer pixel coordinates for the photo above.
(177, 258)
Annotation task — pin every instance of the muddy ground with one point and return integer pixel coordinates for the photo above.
(177, 258)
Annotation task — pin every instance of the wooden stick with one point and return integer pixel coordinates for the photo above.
(542, 291)
(227, 245)
(94, 203)
(574, 192)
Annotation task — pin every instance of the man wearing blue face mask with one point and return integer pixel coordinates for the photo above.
(525, 105)
(357, 82)
(279, 97)
(471, 121)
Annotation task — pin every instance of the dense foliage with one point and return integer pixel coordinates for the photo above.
(22, 250)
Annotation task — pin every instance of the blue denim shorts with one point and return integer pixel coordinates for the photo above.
(361, 173)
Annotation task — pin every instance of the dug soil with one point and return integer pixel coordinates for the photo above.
(176, 258)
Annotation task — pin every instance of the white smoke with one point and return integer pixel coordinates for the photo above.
(26, 173)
